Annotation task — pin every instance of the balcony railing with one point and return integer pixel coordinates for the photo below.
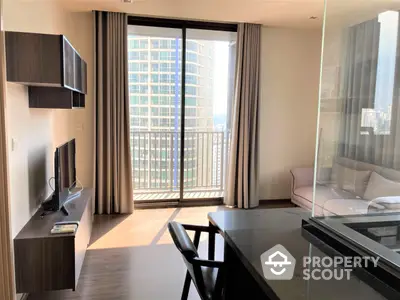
(156, 161)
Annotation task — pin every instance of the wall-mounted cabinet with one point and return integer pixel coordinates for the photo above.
(54, 97)
(51, 67)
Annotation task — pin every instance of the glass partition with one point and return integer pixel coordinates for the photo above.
(357, 170)
(356, 191)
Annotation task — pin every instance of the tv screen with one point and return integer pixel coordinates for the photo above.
(65, 172)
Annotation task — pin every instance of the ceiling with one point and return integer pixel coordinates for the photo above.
(282, 13)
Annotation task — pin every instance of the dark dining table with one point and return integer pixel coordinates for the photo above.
(249, 233)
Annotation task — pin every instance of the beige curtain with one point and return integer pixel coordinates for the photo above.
(242, 179)
(113, 172)
(364, 88)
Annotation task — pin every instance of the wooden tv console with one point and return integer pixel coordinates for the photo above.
(44, 261)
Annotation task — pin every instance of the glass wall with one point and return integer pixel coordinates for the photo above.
(357, 170)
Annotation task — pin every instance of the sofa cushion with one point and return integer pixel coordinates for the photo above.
(390, 174)
(353, 181)
(343, 207)
(324, 175)
(357, 165)
(379, 186)
(323, 193)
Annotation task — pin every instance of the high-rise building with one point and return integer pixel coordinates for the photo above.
(155, 108)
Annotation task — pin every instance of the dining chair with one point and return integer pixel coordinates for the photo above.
(207, 275)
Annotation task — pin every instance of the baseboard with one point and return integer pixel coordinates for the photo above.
(274, 200)
(204, 202)
(277, 203)
(186, 203)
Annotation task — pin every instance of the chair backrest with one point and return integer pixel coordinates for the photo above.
(189, 252)
(182, 241)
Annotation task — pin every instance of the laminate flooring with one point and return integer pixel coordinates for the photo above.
(132, 257)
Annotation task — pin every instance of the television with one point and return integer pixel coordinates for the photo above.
(64, 176)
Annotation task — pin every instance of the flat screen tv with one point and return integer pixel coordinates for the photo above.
(64, 176)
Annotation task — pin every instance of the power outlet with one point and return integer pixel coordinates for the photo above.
(14, 144)
(79, 127)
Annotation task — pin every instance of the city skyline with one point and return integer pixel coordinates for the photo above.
(154, 90)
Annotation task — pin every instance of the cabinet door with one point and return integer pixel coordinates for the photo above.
(78, 73)
(78, 100)
(34, 59)
(68, 64)
(84, 76)
(50, 97)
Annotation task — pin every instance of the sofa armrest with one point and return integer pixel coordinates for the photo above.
(302, 177)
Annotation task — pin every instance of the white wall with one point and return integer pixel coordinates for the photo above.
(30, 161)
(288, 106)
(37, 132)
(80, 122)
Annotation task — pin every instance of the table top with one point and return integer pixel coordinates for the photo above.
(252, 232)
(40, 227)
(258, 218)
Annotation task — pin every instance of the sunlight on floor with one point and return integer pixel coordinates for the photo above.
(149, 227)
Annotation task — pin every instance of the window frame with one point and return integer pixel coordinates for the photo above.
(183, 25)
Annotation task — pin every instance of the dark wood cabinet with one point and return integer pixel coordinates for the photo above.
(78, 100)
(55, 97)
(44, 261)
(50, 66)
(33, 59)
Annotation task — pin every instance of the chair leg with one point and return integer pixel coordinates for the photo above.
(186, 286)
(211, 243)
(219, 285)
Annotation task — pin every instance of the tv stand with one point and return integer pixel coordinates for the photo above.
(45, 261)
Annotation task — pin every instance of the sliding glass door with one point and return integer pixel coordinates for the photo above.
(179, 111)
(154, 73)
(209, 68)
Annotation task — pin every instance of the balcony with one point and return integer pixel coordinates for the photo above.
(156, 164)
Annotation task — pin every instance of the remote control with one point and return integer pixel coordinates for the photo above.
(67, 222)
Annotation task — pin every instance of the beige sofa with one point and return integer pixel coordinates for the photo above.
(349, 187)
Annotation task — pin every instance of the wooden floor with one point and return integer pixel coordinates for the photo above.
(172, 195)
(131, 257)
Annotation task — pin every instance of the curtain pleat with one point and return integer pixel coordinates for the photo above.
(113, 172)
(359, 86)
(242, 179)
(359, 92)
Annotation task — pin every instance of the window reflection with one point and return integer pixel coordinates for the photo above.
(358, 162)
(379, 118)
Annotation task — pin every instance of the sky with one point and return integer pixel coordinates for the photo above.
(389, 23)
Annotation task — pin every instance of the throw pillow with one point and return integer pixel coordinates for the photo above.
(323, 175)
(353, 181)
(379, 186)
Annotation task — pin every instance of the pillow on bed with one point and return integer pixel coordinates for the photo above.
(379, 186)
